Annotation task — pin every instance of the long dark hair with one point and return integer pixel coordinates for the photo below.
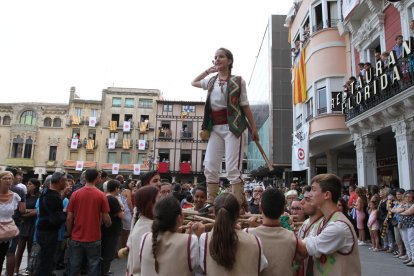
(144, 200)
(229, 55)
(146, 178)
(166, 212)
(223, 245)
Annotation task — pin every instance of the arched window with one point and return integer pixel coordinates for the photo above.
(6, 120)
(47, 122)
(28, 148)
(17, 147)
(57, 122)
(28, 118)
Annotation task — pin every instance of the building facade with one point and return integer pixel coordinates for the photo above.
(270, 98)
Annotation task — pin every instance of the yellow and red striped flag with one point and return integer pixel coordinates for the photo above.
(299, 70)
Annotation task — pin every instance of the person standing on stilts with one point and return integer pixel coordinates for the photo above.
(227, 115)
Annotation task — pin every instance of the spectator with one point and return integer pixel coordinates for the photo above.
(111, 234)
(254, 203)
(361, 70)
(104, 178)
(165, 189)
(373, 225)
(126, 200)
(87, 208)
(272, 236)
(51, 218)
(9, 202)
(151, 178)
(145, 199)
(290, 196)
(385, 59)
(360, 206)
(200, 197)
(297, 214)
(398, 47)
(398, 202)
(177, 192)
(248, 195)
(28, 222)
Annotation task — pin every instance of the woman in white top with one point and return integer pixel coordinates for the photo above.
(9, 202)
(145, 199)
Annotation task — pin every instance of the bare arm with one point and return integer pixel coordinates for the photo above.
(106, 219)
(22, 207)
(127, 193)
(197, 81)
(409, 211)
(69, 223)
(252, 124)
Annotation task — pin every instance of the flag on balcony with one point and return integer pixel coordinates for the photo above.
(74, 143)
(184, 115)
(137, 169)
(299, 71)
(111, 143)
(143, 126)
(92, 121)
(113, 125)
(75, 120)
(126, 143)
(141, 144)
(115, 168)
(127, 126)
(79, 166)
(90, 144)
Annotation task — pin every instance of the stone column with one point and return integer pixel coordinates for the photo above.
(195, 181)
(311, 169)
(366, 160)
(332, 161)
(404, 136)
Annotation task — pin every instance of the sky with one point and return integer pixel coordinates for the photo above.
(48, 46)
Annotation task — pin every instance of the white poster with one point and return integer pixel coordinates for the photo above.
(141, 145)
(74, 143)
(348, 6)
(111, 143)
(92, 121)
(127, 126)
(79, 166)
(300, 149)
(137, 169)
(115, 168)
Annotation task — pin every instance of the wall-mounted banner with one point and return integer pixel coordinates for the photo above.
(137, 169)
(74, 143)
(300, 149)
(111, 143)
(92, 121)
(127, 126)
(79, 166)
(115, 168)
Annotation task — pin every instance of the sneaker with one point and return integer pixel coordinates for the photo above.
(404, 257)
(375, 250)
(361, 243)
(410, 264)
(407, 261)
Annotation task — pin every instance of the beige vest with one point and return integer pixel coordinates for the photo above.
(338, 263)
(308, 229)
(142, 226)
(279, 247)
(173, 255)
(247, 257)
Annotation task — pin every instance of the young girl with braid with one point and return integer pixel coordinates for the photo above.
(227, 250)
(163, 250)
(226, 116)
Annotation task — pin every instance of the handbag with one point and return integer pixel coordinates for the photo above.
(8, 230)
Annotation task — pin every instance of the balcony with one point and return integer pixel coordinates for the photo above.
(93, 121)
(71, 164)
(185, 167)
(113, 126)
(357, 104)
(128, 168)
(125, 144)
(72, 144)
(144, 126)
(20, 162)
(163, 167)
(186, 135)
(76, 120)
(165, 134)
(90, 144)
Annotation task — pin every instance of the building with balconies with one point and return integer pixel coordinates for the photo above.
(322, 141)
(179, 151)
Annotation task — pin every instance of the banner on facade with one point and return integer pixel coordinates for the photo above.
(127, 126)
(141, 145)
(115, 168)
(74, 143)
(348, 6)
(300, 149)
(111, 143)
(79, 166)
(137, 169)
(92, 121)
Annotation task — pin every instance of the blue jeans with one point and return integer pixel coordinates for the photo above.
(90, 250)
(48, 244)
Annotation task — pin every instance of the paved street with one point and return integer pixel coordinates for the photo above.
(373, 264)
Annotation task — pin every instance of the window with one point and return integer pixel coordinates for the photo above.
(28, 148)
(127, 136)
(332, 14)
(164, 155)
(186, 156)
(309, 109)
(143, 136)
(141, 158)
(90, 157)
(52, 153)
(78, 111)
(125, 156)
(129, 102)
(115, 117)
(322, 105)
(336, 103)
(167, 108)
(112, 157)
(28, 118)
(6, 120)
(76, 133)
(128, 117)
(145, 103)
(94, 113)
(57, 122)
(299, 121)
(317, 18)
(116, 102)
(92, 134)
(188, 108)
(47, 122)
(17, 148)
(144, 118)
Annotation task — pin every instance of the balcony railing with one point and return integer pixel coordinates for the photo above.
(309, 117)
(186, 135)
(165, 134)
(405, 66)
(317, 27)
(322, 110)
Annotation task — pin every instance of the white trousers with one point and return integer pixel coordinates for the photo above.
(407, 235)
(223, 142)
